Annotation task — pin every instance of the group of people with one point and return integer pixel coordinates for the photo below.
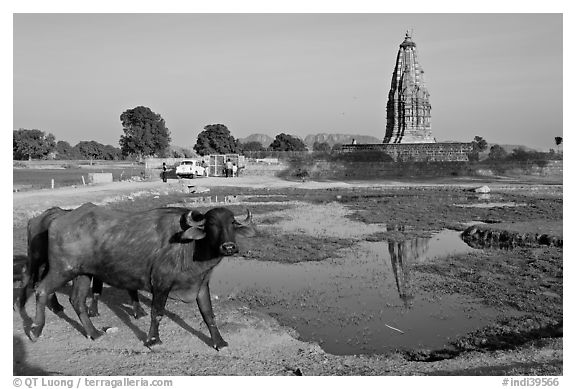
(231, 169)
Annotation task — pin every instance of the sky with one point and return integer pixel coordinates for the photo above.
(499, 76)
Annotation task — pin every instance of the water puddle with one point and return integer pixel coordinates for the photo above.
(491, 205)
(365, 301)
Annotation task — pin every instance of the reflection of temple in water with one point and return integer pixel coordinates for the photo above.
(402, 255)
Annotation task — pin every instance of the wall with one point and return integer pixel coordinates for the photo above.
(99, 178)
(263, 168)
(375, 170)
(418, 151)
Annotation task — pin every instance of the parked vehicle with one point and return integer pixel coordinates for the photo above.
(190, 168)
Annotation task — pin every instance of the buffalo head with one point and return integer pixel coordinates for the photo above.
(217, 229)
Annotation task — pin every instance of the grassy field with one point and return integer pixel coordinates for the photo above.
(41, 177)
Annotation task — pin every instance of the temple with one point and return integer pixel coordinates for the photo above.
(408, 108)
(408, 134)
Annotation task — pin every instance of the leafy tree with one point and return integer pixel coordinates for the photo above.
(285, 142)
(497, 153)
(216, 139)
(94, 150)
(321, 146)
(110, 153)
(89, 149)
(64, 150)
(28, 144)
(252, 146)
(558, 140)
(145, 133)
(478, 145)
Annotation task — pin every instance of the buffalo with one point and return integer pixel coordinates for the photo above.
(165, 251)
(37, 262)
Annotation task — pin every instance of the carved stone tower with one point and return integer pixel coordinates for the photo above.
(408, 108)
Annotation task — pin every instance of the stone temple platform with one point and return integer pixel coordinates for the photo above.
(417, 152)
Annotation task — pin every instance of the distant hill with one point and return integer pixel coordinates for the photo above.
(332, 139)
(264, 139)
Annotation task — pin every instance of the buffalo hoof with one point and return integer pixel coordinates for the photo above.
(220, 344)
(152, 342)
(95, 335)
(139, 312)
(35, 332)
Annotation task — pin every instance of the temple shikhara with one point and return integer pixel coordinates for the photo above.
(408, 133)
(408, 108)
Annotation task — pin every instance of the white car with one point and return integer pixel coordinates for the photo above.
(190, 168)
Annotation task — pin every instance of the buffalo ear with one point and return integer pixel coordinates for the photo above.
(246, 231)
(192, 233)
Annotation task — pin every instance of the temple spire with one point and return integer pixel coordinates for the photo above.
(408, 108)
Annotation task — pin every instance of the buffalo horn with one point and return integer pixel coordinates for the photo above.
(248, 216)
(190, 219)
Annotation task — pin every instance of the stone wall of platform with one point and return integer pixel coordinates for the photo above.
(418, 152)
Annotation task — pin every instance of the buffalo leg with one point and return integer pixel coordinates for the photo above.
(46, 287)
(23, 292)
(53, 303)
(205, 306)
(27, 281)
(97, 286)
(156, 314)
(78, 301)
(138, 311)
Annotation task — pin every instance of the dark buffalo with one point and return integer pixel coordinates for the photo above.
(37, 264)
(166, 251)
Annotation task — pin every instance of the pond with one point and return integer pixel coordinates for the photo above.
(364, 302)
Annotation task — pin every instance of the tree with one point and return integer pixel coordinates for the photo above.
(321, 146)
(558, 140)
(216, 139)
(478, 145)
(111, 153)
(285, 142)
(252, 146)
(64, 150)
(89, 149)
(497, 153)
(28, 144)
(94, 150)
(145, 133)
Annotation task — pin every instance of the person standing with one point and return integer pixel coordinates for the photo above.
(164, 173)
(234, 170)
(228, 168)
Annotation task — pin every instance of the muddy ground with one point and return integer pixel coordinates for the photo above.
(303, 222)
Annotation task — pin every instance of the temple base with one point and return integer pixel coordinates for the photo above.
(420, 152)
